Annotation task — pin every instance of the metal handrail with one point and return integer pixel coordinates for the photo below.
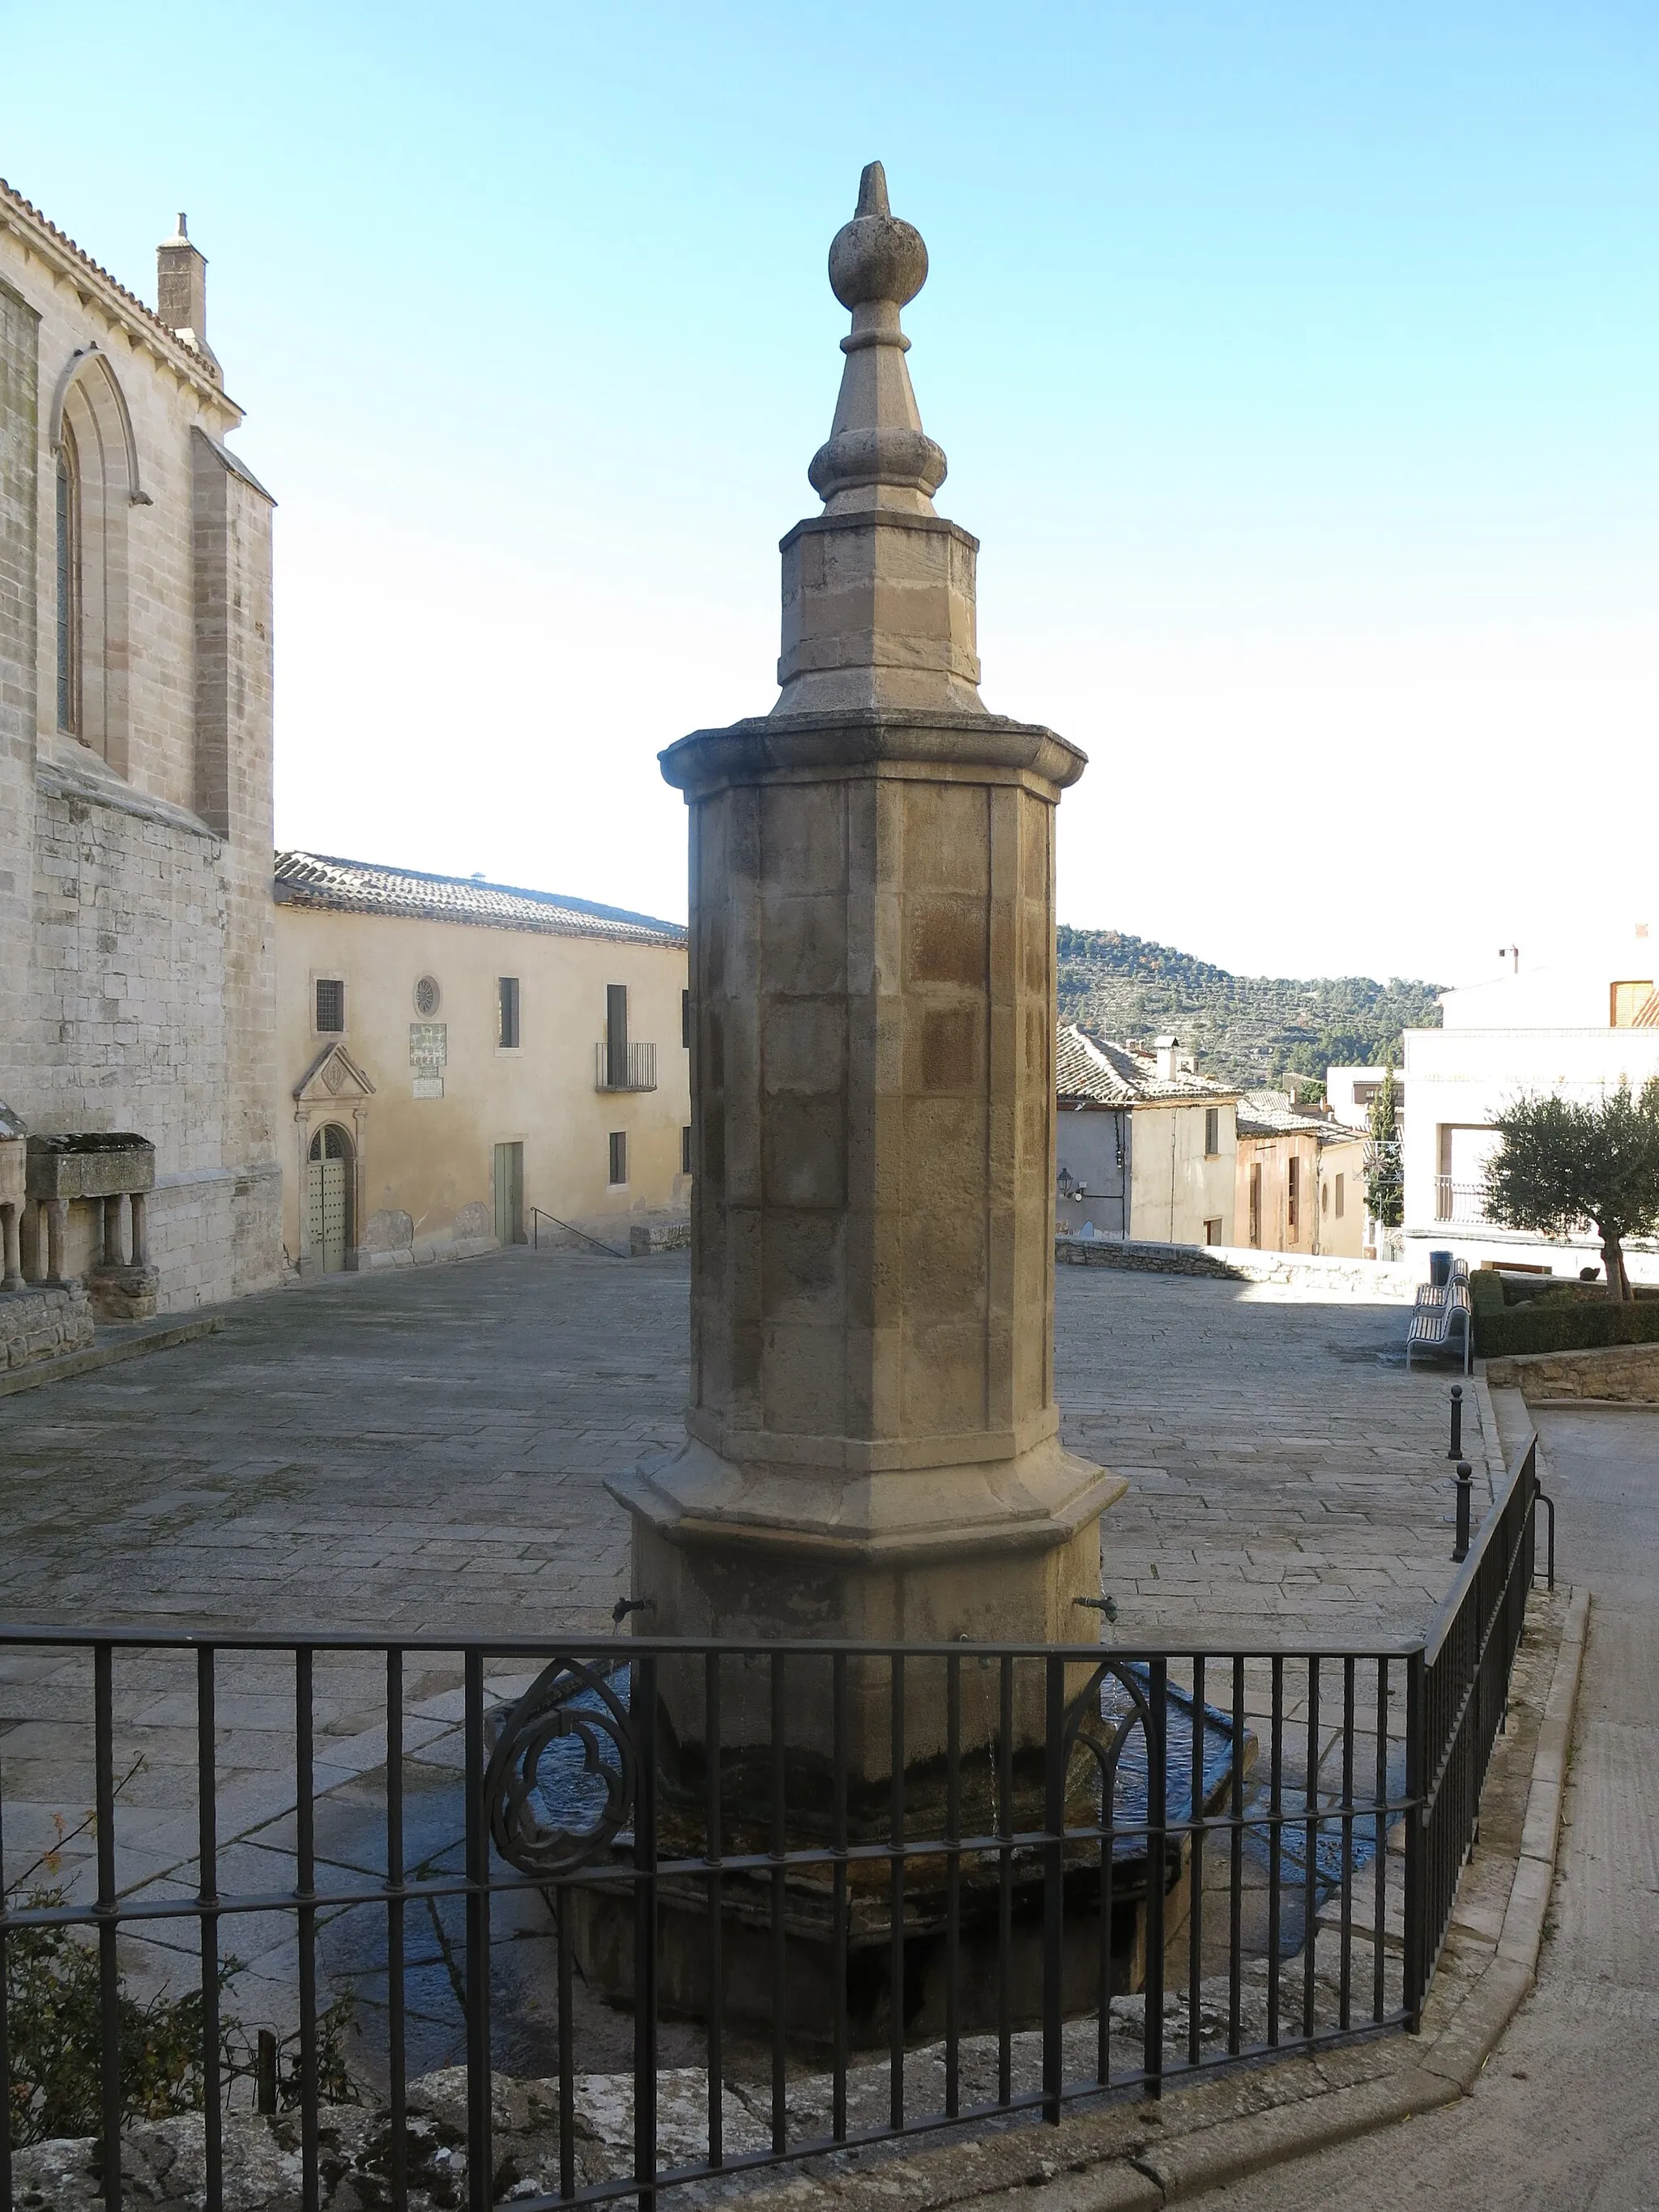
(538, 1214)
(1525, 1467)
(1059, 1824)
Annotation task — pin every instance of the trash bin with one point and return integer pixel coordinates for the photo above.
(1440, 1266)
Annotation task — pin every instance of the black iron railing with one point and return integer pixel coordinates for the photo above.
(848, 1893)
(1460, 1692)
(538, 1214)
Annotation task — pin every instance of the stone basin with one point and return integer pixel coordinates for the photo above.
(93, 1163)
(1103, 1916)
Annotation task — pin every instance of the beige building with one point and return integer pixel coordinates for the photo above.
(462, 1063)
(1143, 1143)
(135, 786)
(1301, 1180)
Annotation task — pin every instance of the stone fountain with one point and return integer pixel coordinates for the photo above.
(871, 1447)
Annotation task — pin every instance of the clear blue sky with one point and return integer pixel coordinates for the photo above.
(1298, 367)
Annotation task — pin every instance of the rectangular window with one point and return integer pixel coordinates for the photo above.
(1628, 1001)
(1212, 1230)
(1255, 1203)
(1293, 1193)
(685, 1150)
(615, 1039)
(331, 1006)
(685, 1019)
(507, 1019)
(1212, 1132)
(1341, 1195)
(619, 1156)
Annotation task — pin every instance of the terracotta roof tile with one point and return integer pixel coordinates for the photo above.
(1269, 1114)
(1110, 1074)
(321, 880)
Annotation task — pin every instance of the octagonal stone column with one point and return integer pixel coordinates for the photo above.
(871, 1447)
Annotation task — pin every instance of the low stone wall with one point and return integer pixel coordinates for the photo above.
(427, 1254)
(644, 1236)
(41, 1323)
(1382, 1279)
(1627, 1374)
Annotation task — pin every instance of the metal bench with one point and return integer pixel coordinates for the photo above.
(1441, 1309)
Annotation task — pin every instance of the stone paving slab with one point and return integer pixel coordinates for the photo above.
(427, 1451)
(408, 1454)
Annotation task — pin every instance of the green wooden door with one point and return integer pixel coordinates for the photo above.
(509, 1194)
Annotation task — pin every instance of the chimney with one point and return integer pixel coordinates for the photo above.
(1168, 1066)
(181, 292)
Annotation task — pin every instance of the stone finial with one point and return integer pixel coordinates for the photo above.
(878, 452)
(181, 291)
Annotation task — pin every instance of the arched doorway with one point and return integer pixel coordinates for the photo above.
(328, 1180)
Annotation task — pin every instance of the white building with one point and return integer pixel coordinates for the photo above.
(1349, 1092)
(1579, 1026)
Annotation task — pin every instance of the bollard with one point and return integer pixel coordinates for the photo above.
(1465, 1485)
(1457, 1451)
(264, 2072)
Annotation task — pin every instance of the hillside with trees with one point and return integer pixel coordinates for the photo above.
(1249, 1030)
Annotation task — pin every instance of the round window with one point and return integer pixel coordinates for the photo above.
(426, 996)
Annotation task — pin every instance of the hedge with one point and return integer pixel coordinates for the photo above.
(1548, 1324)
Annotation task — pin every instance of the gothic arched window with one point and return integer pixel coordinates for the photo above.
(68, 584)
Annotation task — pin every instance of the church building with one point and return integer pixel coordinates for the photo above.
(137, 978)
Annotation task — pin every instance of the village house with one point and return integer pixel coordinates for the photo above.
(463, 1063)
(136, 976)
(1577, 1026)
(1145, 1144)
(1301, 1179)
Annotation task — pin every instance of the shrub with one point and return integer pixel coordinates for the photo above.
(1561, 1320)
(54, 2018)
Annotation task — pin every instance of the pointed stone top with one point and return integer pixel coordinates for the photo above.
(878, 452)
(877, 257)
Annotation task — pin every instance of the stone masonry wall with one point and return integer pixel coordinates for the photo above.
(1627, 1374)
(129, 1029)
(42, 1324)
(136, 958)
(19, 436)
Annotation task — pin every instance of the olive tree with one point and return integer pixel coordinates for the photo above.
(1563, 1162)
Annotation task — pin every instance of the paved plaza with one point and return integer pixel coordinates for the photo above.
(426, 1451)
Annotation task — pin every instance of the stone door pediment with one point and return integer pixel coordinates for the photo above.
(333, 1078)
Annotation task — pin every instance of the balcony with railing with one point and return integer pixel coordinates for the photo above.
(620, 1067)
(1459, 1201)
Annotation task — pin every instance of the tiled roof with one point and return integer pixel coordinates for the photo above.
(1108, 1074)
(1270, 1114)
(12, 201)
(319, 879)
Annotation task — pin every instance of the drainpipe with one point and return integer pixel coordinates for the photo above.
(1174, 1125)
